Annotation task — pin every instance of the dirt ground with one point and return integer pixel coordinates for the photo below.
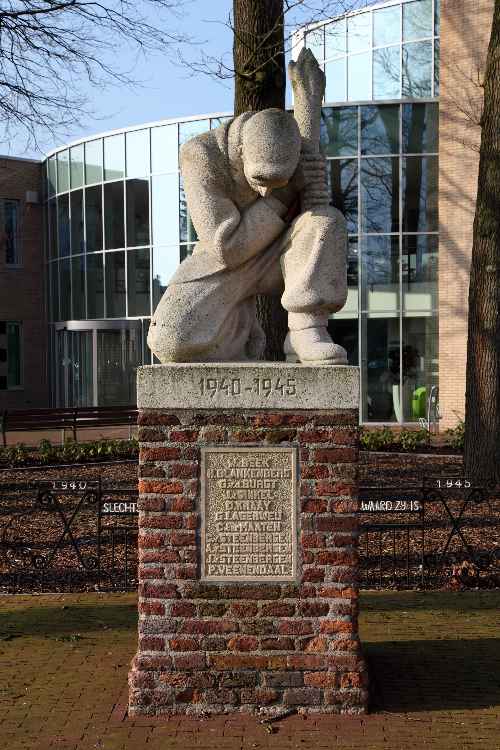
(434, 659)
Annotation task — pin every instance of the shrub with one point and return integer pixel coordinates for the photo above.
(410, 440)
(456, 435)
(376, 440)
(71, 452)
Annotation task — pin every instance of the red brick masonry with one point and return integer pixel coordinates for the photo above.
(221, 647)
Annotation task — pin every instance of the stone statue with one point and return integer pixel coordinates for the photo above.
(257, 195)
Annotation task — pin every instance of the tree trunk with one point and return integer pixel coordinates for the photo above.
(260, 82)
(482, 399)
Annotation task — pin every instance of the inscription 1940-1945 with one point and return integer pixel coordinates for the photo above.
(249, 514)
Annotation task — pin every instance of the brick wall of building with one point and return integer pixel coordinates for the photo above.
(22, 288)
(465, 33)
(206, 646)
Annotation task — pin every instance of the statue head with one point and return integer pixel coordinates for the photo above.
(270, 149)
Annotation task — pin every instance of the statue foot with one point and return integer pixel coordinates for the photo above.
(313, 346)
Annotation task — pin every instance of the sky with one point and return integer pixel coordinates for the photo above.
(166, 88)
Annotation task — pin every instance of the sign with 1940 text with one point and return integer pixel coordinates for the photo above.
(249, 514)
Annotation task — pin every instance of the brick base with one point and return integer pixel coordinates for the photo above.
(225, 647)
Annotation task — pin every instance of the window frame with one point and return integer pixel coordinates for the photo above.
(18, 263)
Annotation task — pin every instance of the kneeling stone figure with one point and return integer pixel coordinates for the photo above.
(257, 195)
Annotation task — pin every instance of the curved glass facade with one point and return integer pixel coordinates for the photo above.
(118, 226)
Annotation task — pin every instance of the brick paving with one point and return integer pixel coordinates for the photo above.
(434, 658)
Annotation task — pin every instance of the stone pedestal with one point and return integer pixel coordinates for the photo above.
(248, 595)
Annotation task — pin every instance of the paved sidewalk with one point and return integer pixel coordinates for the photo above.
(435, 658)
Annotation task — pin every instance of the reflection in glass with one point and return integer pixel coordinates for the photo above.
(63, 171)
(93, 218)
(343, 179)
(437, 19)
(359, 32)
(65, 289)
(52, 208)
(380, 194)
(216, 122)
(63, 224)
(185, 251)
(93, 161)
(119, 353)
(420, 271)
(359, 75)
(186, 226)
(52, 172)
(78, 286)
(113, 216)
(165, 263)
(346, 333)
(387, 26)
(339, 131)
(387, 73)
(54, 290)
(380, 273)
(420, 128)
(114, 157)
(77, 368)
(115, 285)
(95, 286)
(335, 39)
(420, 364)
(420, 193)
(137, 153)
(76, 166)
(138, 282)
(164, 149)
(189, 130)
(77, 240)
(380, 129)
(437, 57)
(137, 212)
(165, 211)
(417, 20)
(380, 374)
(315, 41)
(417, 69)
(335, 81)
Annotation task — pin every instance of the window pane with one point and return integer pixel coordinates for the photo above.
(14, 377)
(350, 309)
(437, 10)
(77, 242)
(65, 288)
(114, 157)
(137, 212)
(420, 194)
(95, 286)
(380, 129)
(316, 43)
(138, 282)
(9, 230)
(345, 333)
(359, 77)
(138, 153)
(63, 224)
(380, 194)
(216, 122)
(189, 130)
(185, 251)
(93, 161)
(113, 216)
(339, 131)
(380, 273)
(187, 230)
(417, 69)
(93, 218)
(420, 128)
(52, 175)
(359, 32)
(420, 272)
(437, 58)
(335, 81)
(78, 286)
(335, 39)
(343, 178)
(386, 26)
(115, 285)
(420, 364)
(387, 73)
(165, 264)
(63, 171)
(164, 149)
(76, 166)
(54, 291)
(53, 229)
(417, 20)
(380, 376)
(165, 209)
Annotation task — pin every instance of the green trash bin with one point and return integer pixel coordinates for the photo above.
(419, 402)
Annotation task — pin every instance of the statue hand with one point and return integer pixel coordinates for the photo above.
(306, 76)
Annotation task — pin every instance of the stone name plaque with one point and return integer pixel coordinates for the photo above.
(249, 510)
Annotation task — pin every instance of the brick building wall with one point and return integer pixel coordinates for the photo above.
(465, 34)
(22, 286)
